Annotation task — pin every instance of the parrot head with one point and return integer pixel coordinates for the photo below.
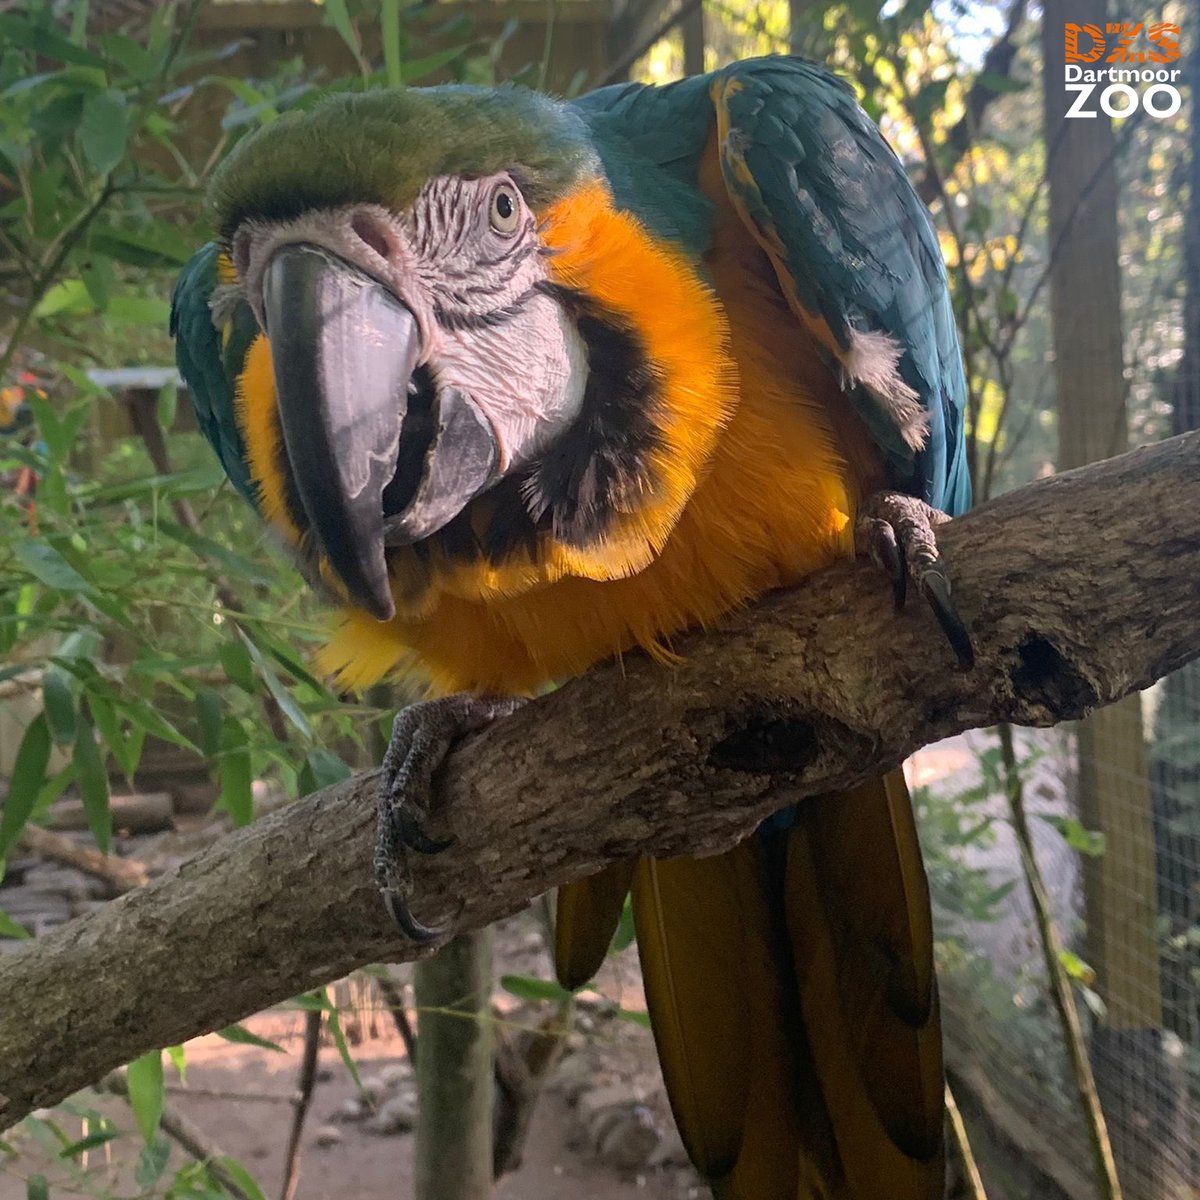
(421, 345)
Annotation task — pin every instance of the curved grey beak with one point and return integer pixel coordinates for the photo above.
(375, 459)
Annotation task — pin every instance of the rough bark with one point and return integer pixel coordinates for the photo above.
(1079, 589)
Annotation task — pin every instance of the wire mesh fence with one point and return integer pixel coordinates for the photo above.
(1118, 850)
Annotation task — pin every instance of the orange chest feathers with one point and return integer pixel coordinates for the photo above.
(765, 469)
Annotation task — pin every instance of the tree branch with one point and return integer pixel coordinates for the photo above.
(1080, 589)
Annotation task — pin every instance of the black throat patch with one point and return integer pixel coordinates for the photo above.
(600, 467)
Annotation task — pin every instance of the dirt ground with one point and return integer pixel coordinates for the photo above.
(603, 1109)
(239, 1096)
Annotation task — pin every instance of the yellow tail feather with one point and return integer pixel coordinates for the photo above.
(790, 986)
(585, 919)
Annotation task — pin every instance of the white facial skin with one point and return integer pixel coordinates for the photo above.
(466, 260)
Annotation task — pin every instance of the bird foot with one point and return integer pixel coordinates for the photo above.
(422, 736)
(897, 532)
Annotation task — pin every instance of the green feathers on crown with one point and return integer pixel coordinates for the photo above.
(382, 146)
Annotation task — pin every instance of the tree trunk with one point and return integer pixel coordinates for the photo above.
(455, 1071)
(693, 41)
(1113, 786)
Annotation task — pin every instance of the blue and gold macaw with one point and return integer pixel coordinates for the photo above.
(526, 384)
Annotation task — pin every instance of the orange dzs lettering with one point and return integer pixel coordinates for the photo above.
(1163, 35)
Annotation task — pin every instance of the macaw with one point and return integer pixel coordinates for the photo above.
(527, 383)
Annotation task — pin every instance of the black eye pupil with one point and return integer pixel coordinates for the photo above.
(504, 206)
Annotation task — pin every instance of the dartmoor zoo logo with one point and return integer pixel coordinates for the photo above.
(1121, 66)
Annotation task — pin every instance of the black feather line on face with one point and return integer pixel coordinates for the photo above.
(597, 471)
(600, 467)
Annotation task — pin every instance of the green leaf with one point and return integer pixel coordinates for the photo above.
(322, 768)
(146, 1092)
(90, 1142)
(152, 1162)
(125, 750)
(417, 68)
(334, 1018)
(1076, 968)
(237, 796)
(49, 426)
(159, 245)
(129, 55)
(243, 1037)
(45, 41)
(292, 664)
(36, 1188)
(235, 661)
(12, 929)
(312, 1002)
(93, 784)
(130, 309)
(206, 548)
(168, 405)
(28, 775)
(99, 278)
(49, 567)
(210, 713)
(929, 99)
(104, 130)
(242, 1178)
(634, 1017)
(526, 987)
(282, 696)
(339, 16)
(69, 298)
(623, 938)
(58, 703)
(1086, 841)
(178, 1057)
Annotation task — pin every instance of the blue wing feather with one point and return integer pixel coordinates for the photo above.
(858, 248)
(210, 360)
(845, 226)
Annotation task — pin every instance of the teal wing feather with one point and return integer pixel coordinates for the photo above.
(649, 141)
(822, 189)
(821, 186)
(210, 360)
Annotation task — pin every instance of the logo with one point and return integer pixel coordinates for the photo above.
(1142, 52)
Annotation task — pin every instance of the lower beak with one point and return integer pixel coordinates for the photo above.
(344, 349)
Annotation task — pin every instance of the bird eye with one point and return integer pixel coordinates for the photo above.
(505, 211)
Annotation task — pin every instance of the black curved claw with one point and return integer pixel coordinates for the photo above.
(893, 561)
(935, 587)
(414, 930)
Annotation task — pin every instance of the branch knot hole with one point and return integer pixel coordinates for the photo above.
(1044, 677)
(766, 740)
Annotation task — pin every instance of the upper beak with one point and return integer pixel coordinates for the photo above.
(344, 349)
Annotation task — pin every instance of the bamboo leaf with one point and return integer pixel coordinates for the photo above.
(28, 775)
(322, 768)
(92, 779)
(12, 929)
(526, 987)
(243, 1037)
(237, 795)
(146, 1092)
(58, 703)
